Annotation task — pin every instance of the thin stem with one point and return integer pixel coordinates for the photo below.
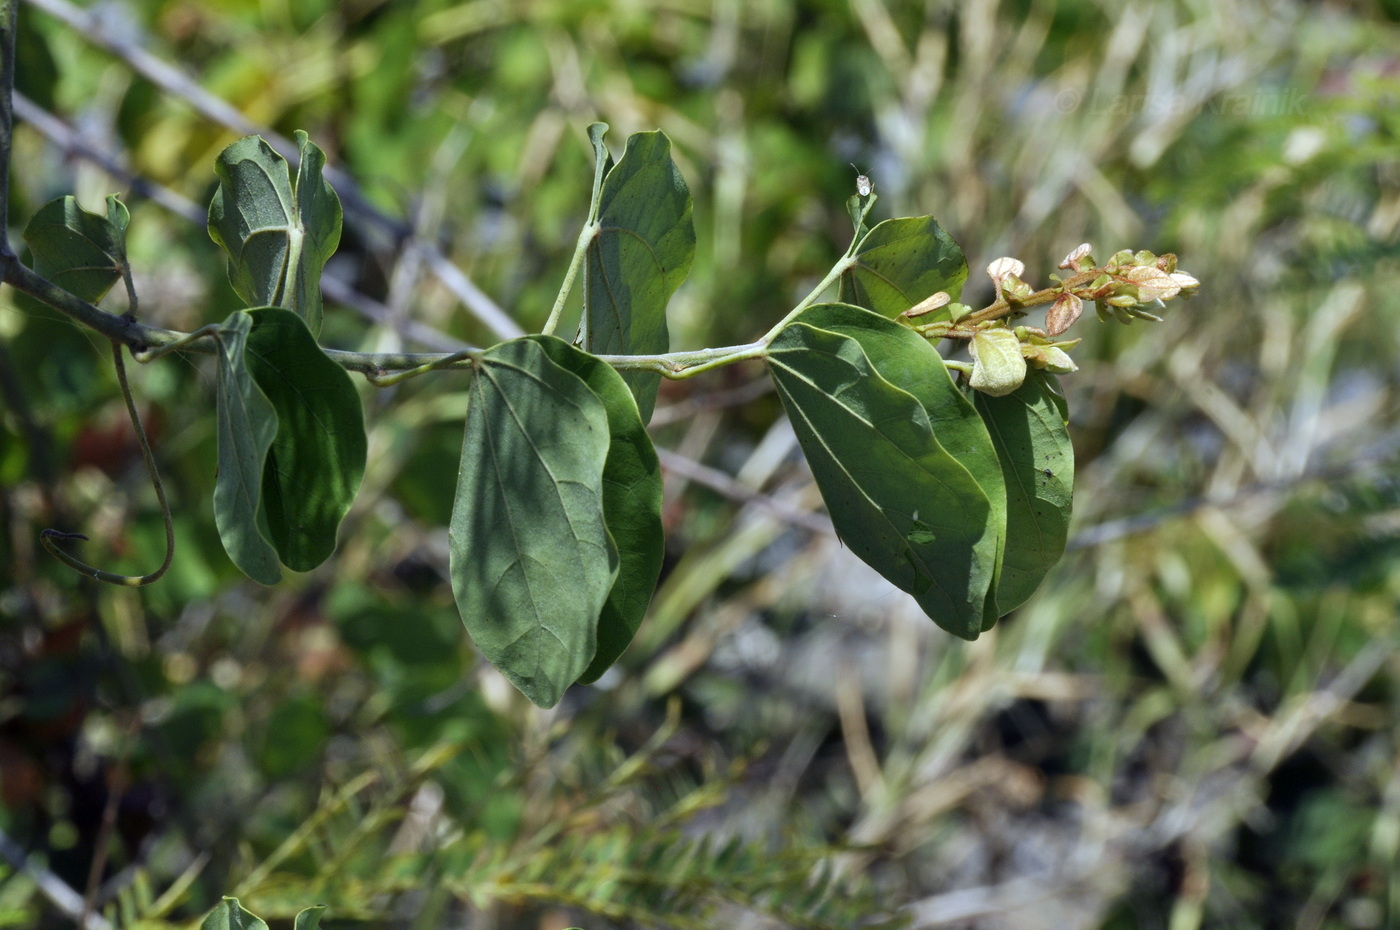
(585, 235)
(49, 537)
(585, 238)
(680, 365)
(1001, 307)
(450, 361)
(845, 262)
(115, 328)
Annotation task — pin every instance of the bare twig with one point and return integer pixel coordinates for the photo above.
(60, 894)
(1357, 462)
(718, 481)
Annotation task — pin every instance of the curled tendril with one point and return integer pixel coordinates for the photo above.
(51, 537)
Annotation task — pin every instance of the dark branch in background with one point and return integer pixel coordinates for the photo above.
(8, 23)
(139, 337)
(174, 82)
(1357, 461)
(60, 894)
(718, 481)
(72, 143)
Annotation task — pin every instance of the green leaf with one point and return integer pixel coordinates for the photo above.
(904, 358)
(277, 234)
(315, 465)
(631, 505)
(310, 918)
(641, 253)
(901, 262)
(228, 914)
(81, 252)
(531, 560)
(246, 425)
(897, 497)
(1028, 428)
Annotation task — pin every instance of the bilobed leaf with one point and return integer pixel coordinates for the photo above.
(906, 359)
(314, 467)
(246, 425)
(602, 157)
(631, 504)
(309, 918)
(531, 560)
(81, 252)
(277, 234)
(640, 254)
(902, 503)
(1028, 429)
(901, 262)
(228, 914)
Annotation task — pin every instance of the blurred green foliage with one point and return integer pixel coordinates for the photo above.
(1193, 723)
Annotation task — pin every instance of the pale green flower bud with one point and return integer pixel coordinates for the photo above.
(998, 367)
(935, 301)
(1078, 258)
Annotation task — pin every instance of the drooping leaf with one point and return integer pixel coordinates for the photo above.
(906, 359)
(902, 503)
(314, 467)
(640, 254)
(81, 252)
(901, 262)
(228, 914)
(531, 560)
(631, 505)
(1029, 431)
(246, 425)
(277, 234)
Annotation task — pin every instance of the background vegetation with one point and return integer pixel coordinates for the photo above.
(1194, 723)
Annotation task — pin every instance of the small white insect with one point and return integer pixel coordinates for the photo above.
(864, 186)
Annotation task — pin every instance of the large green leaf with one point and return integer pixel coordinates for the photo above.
(81, 252)
(1029, 431)
(318, 458)
(531, 560)
(228, 914)
(900, 501)
(631, 505)
(640, 254)
(901, 262)
(246, 426)
(906, 359)
(278, 234)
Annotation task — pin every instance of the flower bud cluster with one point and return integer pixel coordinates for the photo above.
(1130, 285)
